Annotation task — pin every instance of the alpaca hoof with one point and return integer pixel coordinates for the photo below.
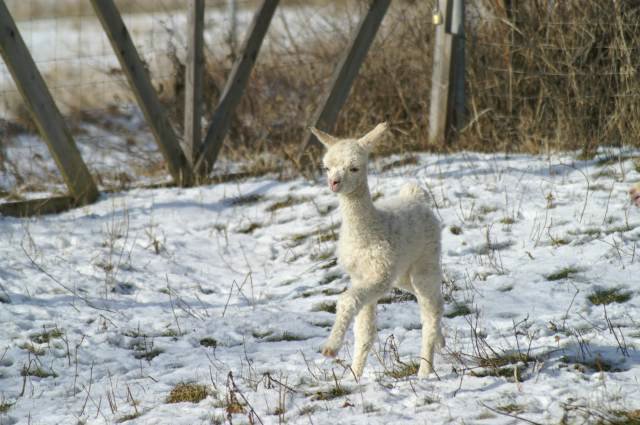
(423, 373)
(329, 351)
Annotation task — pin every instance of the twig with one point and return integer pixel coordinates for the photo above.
(62, 285)
(511, 415)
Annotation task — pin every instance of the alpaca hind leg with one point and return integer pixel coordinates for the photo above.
(365, 332)
(427, 287)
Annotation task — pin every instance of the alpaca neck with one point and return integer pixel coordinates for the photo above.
(357, 209)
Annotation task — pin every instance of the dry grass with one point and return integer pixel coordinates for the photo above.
(184, 392)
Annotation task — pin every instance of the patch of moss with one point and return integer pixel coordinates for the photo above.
(456, 230)
(322, 255)
(209, 342)
(185, 392)
(409, 160)
(27, 346)
(37, 372)
(46, 336)
(289, 201)
(563, 273)
(507, 220)
(328, 306)
(147, 355)
(511, 408)
(285, 336)
(609, 296)
(458, 309)
(595, 363)
(5, 406)
(403, 370)
(129, 417)
(335, 392)
(397, 296)
(246, 200)
(249, 228)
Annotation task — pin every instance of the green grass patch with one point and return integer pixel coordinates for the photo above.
(27, 346)
(458, 309)
(335, 392)
(328, 306)
(46, 336)
(129, 417)
(323, 255)
(592, 364)
(333, 291)
(511, 408)
(249, 228)
(289, 201)
(38, 372)
(329, 278)
(456, 230)
(507, 220)
(397, 296)
(5, 406)
(564, 273)
(309, 409)
(409, 160)
(620, 417)
(609, 296)
(209, 342)
(246, 200)
(328, 237)
(285, 336)
(403, 370)
(148, 355)
(185, 392)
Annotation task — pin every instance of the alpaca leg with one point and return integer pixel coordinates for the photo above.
(349, 304)
(427, 287)
(365, 333)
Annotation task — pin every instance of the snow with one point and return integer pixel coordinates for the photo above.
(214, 285)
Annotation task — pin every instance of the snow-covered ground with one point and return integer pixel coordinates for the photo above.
(228, 286)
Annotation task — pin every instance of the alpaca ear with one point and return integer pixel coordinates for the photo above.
(368, 140)
(326, 139)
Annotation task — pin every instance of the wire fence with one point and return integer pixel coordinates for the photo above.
(566, 78)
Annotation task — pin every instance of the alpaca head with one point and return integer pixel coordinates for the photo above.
(346, 159)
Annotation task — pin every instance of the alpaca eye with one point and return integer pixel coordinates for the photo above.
(325, 169)
(354, 169)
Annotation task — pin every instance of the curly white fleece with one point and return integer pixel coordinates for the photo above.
(396, 243)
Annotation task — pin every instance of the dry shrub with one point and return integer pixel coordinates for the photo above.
(553, 75)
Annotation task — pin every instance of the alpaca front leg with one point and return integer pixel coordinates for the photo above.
(349, 304)
(365, 333)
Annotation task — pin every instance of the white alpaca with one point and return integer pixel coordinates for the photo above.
(396, 244)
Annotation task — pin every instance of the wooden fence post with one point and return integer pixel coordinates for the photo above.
(193, 81)
(143, 90)
(45, 113)
(234, 87)
(346, 70)
(447, 108)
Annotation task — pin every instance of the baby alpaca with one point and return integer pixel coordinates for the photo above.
(634, 193)
(394, 244)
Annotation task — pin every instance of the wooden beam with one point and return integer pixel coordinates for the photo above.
(346, 70)
(193, 81)
(457, 108)
(45, 113)
(439, 110)
(143, 90)
(35, 207)
(238, 77)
